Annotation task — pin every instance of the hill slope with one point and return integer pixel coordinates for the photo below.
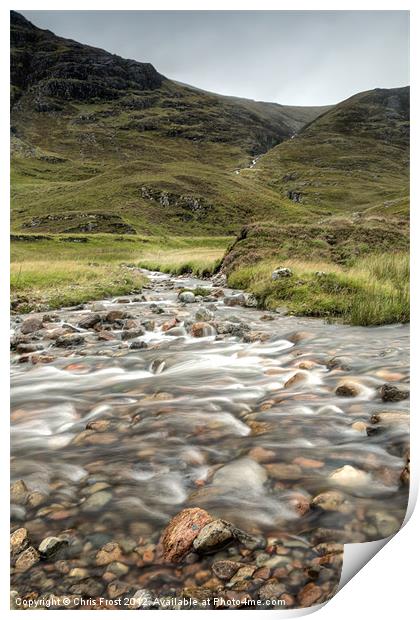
(352, 158)
(100, 143)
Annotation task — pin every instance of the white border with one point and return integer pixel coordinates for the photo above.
(392, 568)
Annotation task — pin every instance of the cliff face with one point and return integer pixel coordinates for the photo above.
(51, 68)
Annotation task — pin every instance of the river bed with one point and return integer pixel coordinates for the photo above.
(118, 426)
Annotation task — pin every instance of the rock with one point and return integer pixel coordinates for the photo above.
(18, 492)
(391, 418)
(186, 297)
(405, 474)
(149, 325)
(87, 588)
(89, 321)
(117, 588)
(204, 314)
(141, 599)
(281, 272)
(115, 315)
(51, 545)
(310, 594)
(391, 393)
(299, 503)
(308, 463)
(284, 471)
(70, 340)
(385, 523)
(111, 552)
(169, 324)
(30, 325)
(332, 501)
(96, 501)
(27, 559)
(261, 455)
(251, 301)
(225, 569)
(180, 533)
(219, 279)
(239, 474)
(254, 336)
(201, 329)
(78, 573)
(235, 300)
(28, 348)
(128, 334)
(273, 589)
(118, 568)
(213, 536)
(336, 363)
(19, 541)
(359, 426)
(106, 335)
(244, 573)
(298, 377)
(138, 344)
(348, 389)
(349, 476)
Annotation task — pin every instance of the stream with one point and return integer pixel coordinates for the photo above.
(162, 404)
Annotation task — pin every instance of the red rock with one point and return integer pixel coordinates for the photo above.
(169, 324)
(200, 329)
(104, 335)
(261, 455)
(296, 378)
(178, 537)
(308, 463)
(309, 595)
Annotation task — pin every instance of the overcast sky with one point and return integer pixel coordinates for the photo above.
(291, 57)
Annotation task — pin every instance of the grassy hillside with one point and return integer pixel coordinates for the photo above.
(103, 144)
(354, 270)
(353, 158)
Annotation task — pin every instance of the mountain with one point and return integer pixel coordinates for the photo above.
(352, 158)
(104, 144)
(101, 143)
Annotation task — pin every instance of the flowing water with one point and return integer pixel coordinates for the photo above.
(112, 441)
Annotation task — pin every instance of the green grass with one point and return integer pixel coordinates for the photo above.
(54, 272)
(373, 291)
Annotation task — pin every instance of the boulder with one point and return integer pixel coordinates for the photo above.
(51, 545)
(281, 272)
(27, 559)
(332, 501)
(89, 320)
(349, 476)
(19, 540)
(225, 569)
(213, 536)
(186, 297)
(392, 393)
(201, 329)
(180, 533)
(204, 314)
(235, 300)
(31, 324)
(348, 389)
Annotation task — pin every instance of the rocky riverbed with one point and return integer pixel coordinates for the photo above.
(182, 448)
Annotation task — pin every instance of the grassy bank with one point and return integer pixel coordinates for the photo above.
(374, 290)
(54, 271)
